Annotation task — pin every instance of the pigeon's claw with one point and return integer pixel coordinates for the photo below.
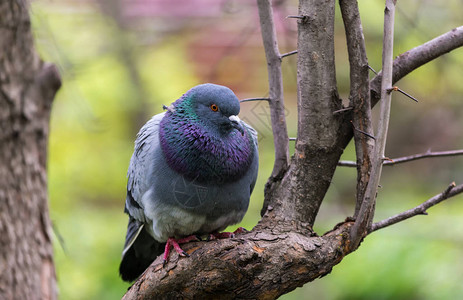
(171, 242)
(225, 235)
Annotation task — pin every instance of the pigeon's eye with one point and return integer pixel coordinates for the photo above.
(214, 107)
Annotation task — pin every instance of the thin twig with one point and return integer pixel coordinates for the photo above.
(255, 99)
(365, 215)
(399, 160)
(275, 78)
(288, 54)
(450, 191)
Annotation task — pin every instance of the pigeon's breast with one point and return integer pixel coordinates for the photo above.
(177, 206)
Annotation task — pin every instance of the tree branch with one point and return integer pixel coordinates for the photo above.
(452, 190)
(245, 267)
(300, 193)
(418, 56)
(359, 96)
(404, 159)
(275, 79)
(366, 213)
(404, 64)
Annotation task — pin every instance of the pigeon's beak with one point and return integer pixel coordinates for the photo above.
(236, 123)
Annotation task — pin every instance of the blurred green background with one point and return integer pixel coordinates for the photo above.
(122, 60)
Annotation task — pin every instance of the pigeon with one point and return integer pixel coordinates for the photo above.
(192, 173)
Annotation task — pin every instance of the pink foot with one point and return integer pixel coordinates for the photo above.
(171, 242)
(224, 235)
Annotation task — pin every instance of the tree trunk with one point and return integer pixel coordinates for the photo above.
(27, 88)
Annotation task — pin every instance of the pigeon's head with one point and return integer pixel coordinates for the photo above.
(215, 106)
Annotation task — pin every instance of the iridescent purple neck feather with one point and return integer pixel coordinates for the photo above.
(194, 148)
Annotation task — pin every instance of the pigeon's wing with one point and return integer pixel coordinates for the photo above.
(140, 249)
(140, 167)
(139, 252)
(255, 163)
(133, 230)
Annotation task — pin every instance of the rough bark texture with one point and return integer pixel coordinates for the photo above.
(359, 97)
(27, 87)
(303, 188)
(365, 215)
(277, 107)
(262, 264)
(276, 101)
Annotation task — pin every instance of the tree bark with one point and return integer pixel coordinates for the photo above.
(302, 189)
(27, 88)
(275, 82)
(262, 264)
(359, 97)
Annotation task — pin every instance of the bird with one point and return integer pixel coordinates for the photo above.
(191, 174)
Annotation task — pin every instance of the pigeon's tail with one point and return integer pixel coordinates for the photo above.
(140, 250)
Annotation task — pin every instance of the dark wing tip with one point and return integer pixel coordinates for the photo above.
(131, 267)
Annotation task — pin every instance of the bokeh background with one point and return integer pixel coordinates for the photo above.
(122, 60)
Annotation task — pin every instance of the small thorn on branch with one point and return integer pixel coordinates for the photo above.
(373, 70)
(255, 99)
(296, 17)
(288, 54)
(363, 132)
(445, 194)
(343, 110)
(396, 88)
(303, 19)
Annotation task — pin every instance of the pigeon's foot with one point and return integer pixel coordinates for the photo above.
(171, 242)
(224, 235)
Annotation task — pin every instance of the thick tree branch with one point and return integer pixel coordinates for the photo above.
(366, 213)
(300, 193)
(399, 160)
(262, 264)
(359, 97)
(452, 190)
